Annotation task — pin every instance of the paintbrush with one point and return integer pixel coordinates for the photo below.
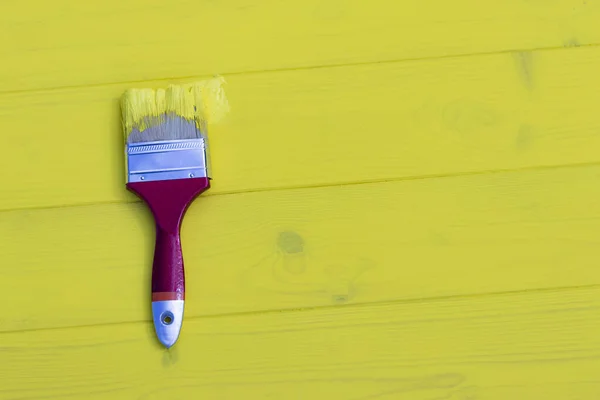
(167, 163)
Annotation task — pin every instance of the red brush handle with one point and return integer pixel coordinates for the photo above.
(168, 279)
(168, 200)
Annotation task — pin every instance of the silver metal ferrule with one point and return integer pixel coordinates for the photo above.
(165, 160)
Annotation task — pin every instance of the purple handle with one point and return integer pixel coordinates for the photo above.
(168, 200)
(168, 279)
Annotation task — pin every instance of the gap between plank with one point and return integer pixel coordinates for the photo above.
(289, 69)
(326, 185)
(415, 300)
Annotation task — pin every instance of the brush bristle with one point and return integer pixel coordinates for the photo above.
(175, 113)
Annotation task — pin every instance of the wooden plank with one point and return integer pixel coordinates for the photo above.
(308, 247)
(68, 43)
(524, 346)
(324, 127)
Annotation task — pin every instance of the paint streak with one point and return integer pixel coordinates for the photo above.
(573, 42)
(468, 117)
(442, 381)
(524, 138)
(524, 62)
(170, 357)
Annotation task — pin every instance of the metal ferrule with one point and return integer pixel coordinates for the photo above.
(165, 160)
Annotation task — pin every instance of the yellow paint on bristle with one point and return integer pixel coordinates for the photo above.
(203, 101)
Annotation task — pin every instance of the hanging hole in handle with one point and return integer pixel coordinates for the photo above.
(167, 318)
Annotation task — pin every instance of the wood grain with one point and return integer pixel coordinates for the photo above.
(324, 127)
(308, 247)
(67, 43)
(543, 345)
(385, 167)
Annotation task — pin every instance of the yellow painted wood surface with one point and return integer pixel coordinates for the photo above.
(406, 201)
(542, 345)
(350, 124)
(64, 43)
(311, 247)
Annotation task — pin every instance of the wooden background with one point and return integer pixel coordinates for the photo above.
(406, 201)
